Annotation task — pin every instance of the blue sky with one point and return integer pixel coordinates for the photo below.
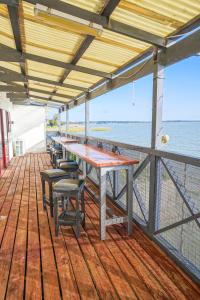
(128, 103)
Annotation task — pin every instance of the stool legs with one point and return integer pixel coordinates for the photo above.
(83, 208)
(51, 198)
(43, 194)
(77, 226)
(55, 208)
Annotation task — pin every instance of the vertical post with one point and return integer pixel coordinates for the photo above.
(67, 120)
(87, 114)
(115, 178)
(102, 206)
(155, 176)
(129, 172)
(87, 120)
(59, 121)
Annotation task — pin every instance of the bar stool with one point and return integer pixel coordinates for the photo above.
(62, 160)
(67, 188)
(50, 176)
(57, 153)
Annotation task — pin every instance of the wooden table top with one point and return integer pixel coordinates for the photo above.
(99, 157)
(63, 140)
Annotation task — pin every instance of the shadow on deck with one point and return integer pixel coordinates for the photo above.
(34, 264)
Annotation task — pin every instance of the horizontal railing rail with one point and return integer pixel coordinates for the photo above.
(195, 161)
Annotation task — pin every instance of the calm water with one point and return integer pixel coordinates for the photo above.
(184, 136)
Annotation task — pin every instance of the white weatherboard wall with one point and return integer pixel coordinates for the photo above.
(29, 127)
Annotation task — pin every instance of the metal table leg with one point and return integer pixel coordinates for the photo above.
(102, 207)
(64, 152)
(130, 198)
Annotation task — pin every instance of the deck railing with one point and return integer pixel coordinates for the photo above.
(172, 209)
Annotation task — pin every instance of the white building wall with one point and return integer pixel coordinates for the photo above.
(29, 126)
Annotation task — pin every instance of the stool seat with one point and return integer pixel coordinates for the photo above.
(50, 176)
(62, 160)
(67, 185)
(69, 166)
(53, 173)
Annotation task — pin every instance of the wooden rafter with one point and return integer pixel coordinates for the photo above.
(107, 11)
(14, 20)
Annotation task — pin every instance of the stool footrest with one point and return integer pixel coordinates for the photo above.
(70, 218)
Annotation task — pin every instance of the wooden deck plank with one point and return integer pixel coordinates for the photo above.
(35, 264)
(100, 277)
(51, 286)
(113, 270)
(15, 288)
(8, 181)
(13, 202)
(168, 265)
(128, 271)
(151, 280)
(84, 280)
(185, 285)
(150, 264)
(67, 279)
(33, 271)
(148, 276)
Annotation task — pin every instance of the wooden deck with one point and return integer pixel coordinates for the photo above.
(34, 264)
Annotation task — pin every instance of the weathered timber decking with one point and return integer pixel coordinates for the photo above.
(34, 264)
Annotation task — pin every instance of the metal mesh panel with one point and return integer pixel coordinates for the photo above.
(184, 238)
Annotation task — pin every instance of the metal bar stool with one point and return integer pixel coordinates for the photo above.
(71, 167)
(64, 189)
(62, 160)
(56, 154)
(50, 176)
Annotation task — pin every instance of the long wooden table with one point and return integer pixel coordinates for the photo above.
(106, 161)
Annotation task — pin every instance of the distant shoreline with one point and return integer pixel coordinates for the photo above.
(125, 122)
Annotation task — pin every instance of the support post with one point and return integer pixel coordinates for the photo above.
(67, 120)
(59, 121)
(87, 114)
(155, 174)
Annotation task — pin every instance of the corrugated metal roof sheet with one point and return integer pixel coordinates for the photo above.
(59, 39)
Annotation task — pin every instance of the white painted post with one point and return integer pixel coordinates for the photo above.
(59, 121)
(67, 120)
(87, 115)
(155, 175)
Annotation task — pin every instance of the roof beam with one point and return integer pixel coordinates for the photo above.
(107, 11)
(65, 85)
(109, 8)
(8, 76)
(9, 2)
(21, 93)
(182, 49)
(14, 20)
(24, 97)
(68, 66)
(49, 93)
(46, 99)
(103, 20)
(10, 88)
(15, 55)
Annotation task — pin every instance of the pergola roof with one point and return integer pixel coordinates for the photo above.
(57, 59)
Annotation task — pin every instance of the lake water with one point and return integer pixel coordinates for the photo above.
(184, 136)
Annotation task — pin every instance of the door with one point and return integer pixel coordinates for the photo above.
(4, 129)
